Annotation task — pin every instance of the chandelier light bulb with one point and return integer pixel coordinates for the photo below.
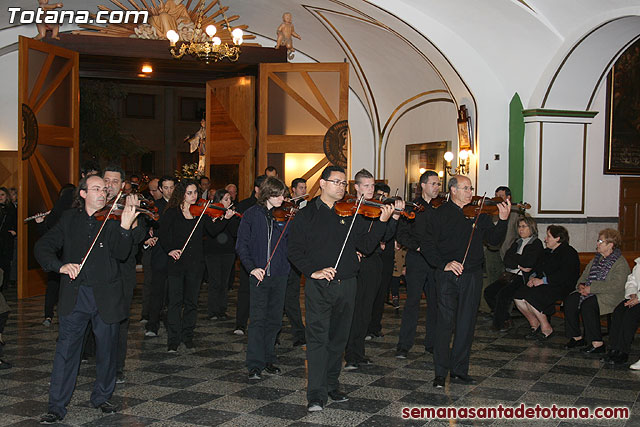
(211, 30)
(173, 37)
(216, 41)
(463, 155)
(237, 33)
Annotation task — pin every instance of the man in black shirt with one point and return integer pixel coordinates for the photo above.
(457, 259)
(315, 241)
(89, 293)
(419, 275)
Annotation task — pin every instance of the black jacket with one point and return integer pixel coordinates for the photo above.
(73, 234)
(561, 267)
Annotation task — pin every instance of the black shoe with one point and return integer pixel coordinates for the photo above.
(620, 359)
(298, 343)
(438, 382)
(223, 317)
(254, 374)
(172, 349)
(533, 334)
(595, 350)
(402, 354)
(272, 369)
(350, 366)
(429, 350)
(50, 418)
(337, 396)
(240, 330)
(542, 337)
(107, 407)
(463, 379)
(314, 406)
(365, 362)
(575, 343)
(189, 344)
(120, 378)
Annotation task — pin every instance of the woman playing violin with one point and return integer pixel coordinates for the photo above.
(181, 238)
(220, 256)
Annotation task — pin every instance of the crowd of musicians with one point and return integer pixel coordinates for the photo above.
(348, 249)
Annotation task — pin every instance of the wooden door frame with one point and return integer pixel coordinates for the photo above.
(268, 143)
(33, 282)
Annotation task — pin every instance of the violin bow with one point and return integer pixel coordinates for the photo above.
(349, 232)
(275, 247)
(95, 239)
(193, 229)
(473, 229)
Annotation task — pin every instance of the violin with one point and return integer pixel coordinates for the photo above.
(490, 206)
(145, 203)
(287, 210)
(214, 210)
(101, 215)
(370, 208)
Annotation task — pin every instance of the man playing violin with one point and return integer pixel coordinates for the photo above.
(292, 294)
(89, 292)
(369, 278)
(319, 248)
(419, 275)
(453, 246)
(114, 179)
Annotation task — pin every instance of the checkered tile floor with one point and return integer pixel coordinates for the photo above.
(209, 386)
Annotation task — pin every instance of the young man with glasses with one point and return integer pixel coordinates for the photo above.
(419, 275)
(89, 292)
(457, 257)
(315, 243)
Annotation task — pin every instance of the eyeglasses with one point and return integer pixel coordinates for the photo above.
(338, 182)
(600, 241)
(465, 188)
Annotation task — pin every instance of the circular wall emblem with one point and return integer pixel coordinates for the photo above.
(336, 143)
(29, 132)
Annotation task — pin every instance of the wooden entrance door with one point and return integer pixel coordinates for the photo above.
(231, 132)
(629, 213)
(298, 104)
(48, 116)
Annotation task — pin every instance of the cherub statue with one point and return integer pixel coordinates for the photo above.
(42, 28)
(197, 141)
(284, 32)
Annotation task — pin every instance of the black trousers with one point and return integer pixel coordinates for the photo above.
(458, 301)
(219, 267)
(499, 296)
(182, 304)
(158, 294)
(66, 361)
(329, 311)
(419, 279)
(242, 307)
(147, 289)
(624, 323)
(590, 317)
(266, 303)
(375, 325)
(368, 283)
(52, 294)
(128, 270)
(292, 304)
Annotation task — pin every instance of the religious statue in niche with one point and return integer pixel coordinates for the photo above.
(285, 32)
(43, 28)
(198, 141)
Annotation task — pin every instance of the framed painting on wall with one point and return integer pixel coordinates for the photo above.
(622, 134)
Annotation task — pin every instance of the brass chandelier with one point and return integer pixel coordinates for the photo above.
(206, 46)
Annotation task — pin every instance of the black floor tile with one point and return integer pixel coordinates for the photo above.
(187, 397)
(205, 417)
(286, 411)
(398, 383)
(557, 388)
(263, 393)
(175, 381)
(360, 404)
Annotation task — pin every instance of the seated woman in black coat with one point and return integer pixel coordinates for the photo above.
(553, 278)
(519, 260)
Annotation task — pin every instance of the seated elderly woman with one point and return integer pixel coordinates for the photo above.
(625, 321)
(519, 260)
(599, 290)
(553, 278)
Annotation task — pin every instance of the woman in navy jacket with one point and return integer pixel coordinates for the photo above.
(257, 238)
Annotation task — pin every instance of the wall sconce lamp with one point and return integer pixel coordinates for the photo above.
(463, 163)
